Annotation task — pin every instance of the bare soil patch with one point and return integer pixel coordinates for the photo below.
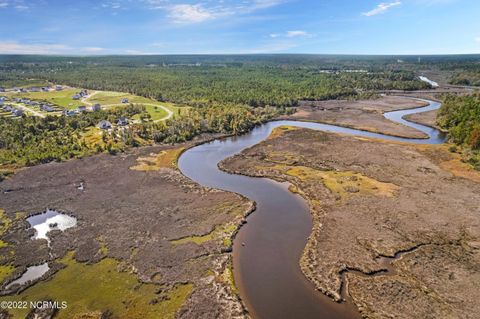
(364, 115)
(425, 118)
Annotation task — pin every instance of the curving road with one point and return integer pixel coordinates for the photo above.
(107, 106)
(268, 248)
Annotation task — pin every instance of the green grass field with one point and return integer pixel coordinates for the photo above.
(175, 108)
(115, 99)
(107, 98)
(156, 113)
(61, 98)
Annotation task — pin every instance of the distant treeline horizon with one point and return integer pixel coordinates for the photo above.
(296, 58)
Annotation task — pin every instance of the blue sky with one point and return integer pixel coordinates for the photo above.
(87, 27)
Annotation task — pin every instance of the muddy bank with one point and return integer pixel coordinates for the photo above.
(135, 208)
(364, 115)
(371, 200)
(426, 118)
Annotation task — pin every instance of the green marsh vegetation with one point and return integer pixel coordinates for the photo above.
(103, 291)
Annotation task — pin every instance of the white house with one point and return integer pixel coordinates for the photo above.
(105, 125)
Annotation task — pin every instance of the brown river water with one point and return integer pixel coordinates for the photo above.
(267, 249)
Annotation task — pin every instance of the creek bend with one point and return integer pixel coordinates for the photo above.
(267, 249)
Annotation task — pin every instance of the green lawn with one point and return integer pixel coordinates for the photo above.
(156, 112)
(61, 98)
(64, 99)
(106, 98)
(115, 98)
(175, 108)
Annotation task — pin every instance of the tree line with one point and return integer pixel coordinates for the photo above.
(460, 115)
(237, 84)
(32, 140)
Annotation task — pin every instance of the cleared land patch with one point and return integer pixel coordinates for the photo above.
(61, 98)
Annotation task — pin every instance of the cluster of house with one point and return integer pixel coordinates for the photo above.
(34, 89)
(106, 125)
(81, 109)
(79, 95)
(19, 112)
(42, 106)
(9, 108)
(13, 110)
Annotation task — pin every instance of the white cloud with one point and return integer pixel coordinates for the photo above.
(209, 10)
(22, 7)
(188, 13)
(155, 4)
(138, 52)
(13, 47)
(93, 49)
(17, 48)
(477, 39)
(297, 33)
(112, 5)
(291, 34)
(263, 4)
(18, 5)
(381, 8)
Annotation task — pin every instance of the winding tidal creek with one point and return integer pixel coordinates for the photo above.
(267, 250)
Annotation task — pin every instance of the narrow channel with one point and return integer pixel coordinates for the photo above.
(267, 250)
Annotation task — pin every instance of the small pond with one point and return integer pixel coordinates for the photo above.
(48, 221)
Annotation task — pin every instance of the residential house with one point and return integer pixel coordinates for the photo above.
(122, 121)
(17, 112)
(76, 97)
(96, 107)
(47, 108)
(34, 89)
(7, 108)
(58, 88)
(2, 89)
(124, 100)
(69, 113)
(105, 125)
(81, 108)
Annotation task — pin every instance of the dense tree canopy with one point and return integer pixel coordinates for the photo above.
(460, 115)
(254, 81)
(33, 140)
(229, 94)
